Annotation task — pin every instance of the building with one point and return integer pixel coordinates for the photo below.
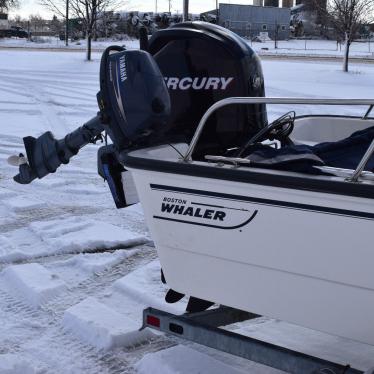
(287, 3)
(249, 20)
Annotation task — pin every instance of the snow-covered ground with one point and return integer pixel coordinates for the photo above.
(55, 43)
(292, 47)
(314, 48)
(75, 273)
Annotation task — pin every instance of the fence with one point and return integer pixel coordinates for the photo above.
(278, 36)
(362, 46)
(252, 30)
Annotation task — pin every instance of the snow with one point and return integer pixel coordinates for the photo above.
(103, 327)
(66, 225)
(14, 364)
(97, 262)
(33, 283)
(316, 48)
(20, 203)
(291, 47)
(56, 43)
(182, 360)
(144, 286)
(68, 235)
(74, 235)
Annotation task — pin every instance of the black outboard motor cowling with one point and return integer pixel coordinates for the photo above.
(203, 63)
(133, 99)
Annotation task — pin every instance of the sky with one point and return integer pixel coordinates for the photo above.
(29, 7)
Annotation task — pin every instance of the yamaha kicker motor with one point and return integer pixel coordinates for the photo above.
(158, 95)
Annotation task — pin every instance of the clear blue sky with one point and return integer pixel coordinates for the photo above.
(196, 6)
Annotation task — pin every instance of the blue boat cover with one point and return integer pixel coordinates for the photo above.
(346, 154)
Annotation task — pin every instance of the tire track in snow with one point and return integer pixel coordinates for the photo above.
(64, 82)
(30, 112)
(47, 213)
(44, 338)
(38, 94)
(62, 73)
(7, 102)
(14, 91)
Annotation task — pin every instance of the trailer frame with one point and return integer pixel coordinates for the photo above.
(204, 328)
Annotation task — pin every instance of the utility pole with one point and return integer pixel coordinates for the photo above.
(67, 24)
(169, 6)
(185, 10)
(156, 7)
(217, 11)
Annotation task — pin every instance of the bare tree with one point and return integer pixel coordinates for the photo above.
(89, 11)
(8, 4)
(61, 9)
(36, 22)
(346, 17)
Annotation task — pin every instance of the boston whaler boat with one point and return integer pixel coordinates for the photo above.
(272, 218)
(279, 243)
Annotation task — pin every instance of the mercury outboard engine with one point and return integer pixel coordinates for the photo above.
(203, 63)
(159, 96)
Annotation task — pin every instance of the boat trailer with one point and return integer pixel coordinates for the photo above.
(204, 328)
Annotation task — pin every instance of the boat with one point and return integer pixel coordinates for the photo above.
(272, 217)
(279, 243)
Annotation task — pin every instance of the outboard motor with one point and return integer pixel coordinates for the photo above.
(134, 106)
(133, 100)
(203, 63)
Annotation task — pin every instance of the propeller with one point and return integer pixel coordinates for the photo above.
(17, 160)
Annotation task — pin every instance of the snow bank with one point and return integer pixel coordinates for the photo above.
(102, 327)
(33, 283)
(56, 43)
(20, 203)
(8, 252)
(97, 262)
(144, 286)
(72, 235)
(77, 235)
(13, 364)
(182, 360)
(5, 194)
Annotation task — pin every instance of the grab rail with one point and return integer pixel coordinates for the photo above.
(283, 100)
(360, 168)
(366, 115)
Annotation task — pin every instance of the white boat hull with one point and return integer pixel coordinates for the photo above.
(300, 256)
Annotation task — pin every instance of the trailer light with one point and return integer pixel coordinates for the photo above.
(153, 321)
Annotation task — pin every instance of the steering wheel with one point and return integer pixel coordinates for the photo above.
(280, 129)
